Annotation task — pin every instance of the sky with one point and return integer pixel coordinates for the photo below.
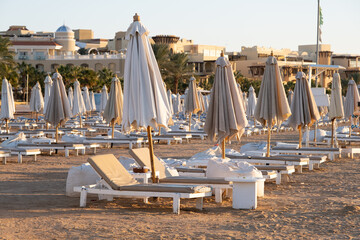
(230, 23)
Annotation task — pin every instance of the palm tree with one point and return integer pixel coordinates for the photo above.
(6, 57)
(24, 71)
(105, 76)
(162, 55)
(178, 69)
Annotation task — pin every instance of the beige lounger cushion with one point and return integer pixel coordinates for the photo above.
(166, 188)
(111, 170)
(142, 157)
(194, 180)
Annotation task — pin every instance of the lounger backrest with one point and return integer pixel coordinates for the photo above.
(111, 170)
(142, 157)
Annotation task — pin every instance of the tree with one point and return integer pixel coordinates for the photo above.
(6, 56)
(178, 69)
(105, 77)
(162, 55)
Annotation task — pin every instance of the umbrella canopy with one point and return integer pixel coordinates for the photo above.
(225, 116)
(304, 109)
(336, 109)
(145, 100)
(192, 98)
(58, 107)
(7, 106)
(48, 84)
(113, 111)
(245, 100)
(201, 102)
(92, 101)
(104, 98)
(272, 106)
(36, 99)
(290, 97)
(351, 100)
(86, 97)
(71, 97)
(177, 106)
(206, 103)
(169, 95)
(250, 110)
(78, 101)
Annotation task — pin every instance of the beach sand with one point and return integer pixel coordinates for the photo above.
(321, 204)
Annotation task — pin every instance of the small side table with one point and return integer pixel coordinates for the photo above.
(245, 192)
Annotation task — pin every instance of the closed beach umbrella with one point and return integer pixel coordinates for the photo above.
(7, 107)
(250, 110)
(351, 101)
(177, 104)
(104, 98)
(78, 102)
(304, 109)
(290, 97)
(36, 100)
(201, 103)
(113, 111)
(245, 100)
(71, 97)
(272, 106)
(86, 97)
(92, 101)
(206, 103)
(169, 95)
(192, 100)
(226, 116)
(145, 100)
(336, 109)
(48, 84)
(58, 109)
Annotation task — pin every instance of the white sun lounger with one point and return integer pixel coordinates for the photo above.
(330, 152)
(116, 181)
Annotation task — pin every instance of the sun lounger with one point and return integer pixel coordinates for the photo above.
(194, 134)
(111, 141)
(298, 162)
(142, 157)
(330, 152)
(4, 155)
(25, 152)
(117, 181)
(55, 146)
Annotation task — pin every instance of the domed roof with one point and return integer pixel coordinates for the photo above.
(64, 28)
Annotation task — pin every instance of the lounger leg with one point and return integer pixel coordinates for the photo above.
(83, 196)
(278, 178)
(4, 161)
(94, 150)
(218, 195)
(176, 204)
(130, 145)
(77, 152)
(199, 203)
(66, 152)
(19, 158)
(35, 157)
(83, 151)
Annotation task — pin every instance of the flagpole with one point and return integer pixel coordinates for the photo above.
(317, 42)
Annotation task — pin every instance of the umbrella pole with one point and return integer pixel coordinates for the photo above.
(350, 127)
(7, 125)
(36, 117)
(223, 148)
(57, 133)
(254, 122)
(113, 128)
(332, 132)
(151, 150)
(189, 122)
(268, 142)
(80, 121)
(300, 136)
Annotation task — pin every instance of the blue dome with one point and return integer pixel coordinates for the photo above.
(64, 28)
